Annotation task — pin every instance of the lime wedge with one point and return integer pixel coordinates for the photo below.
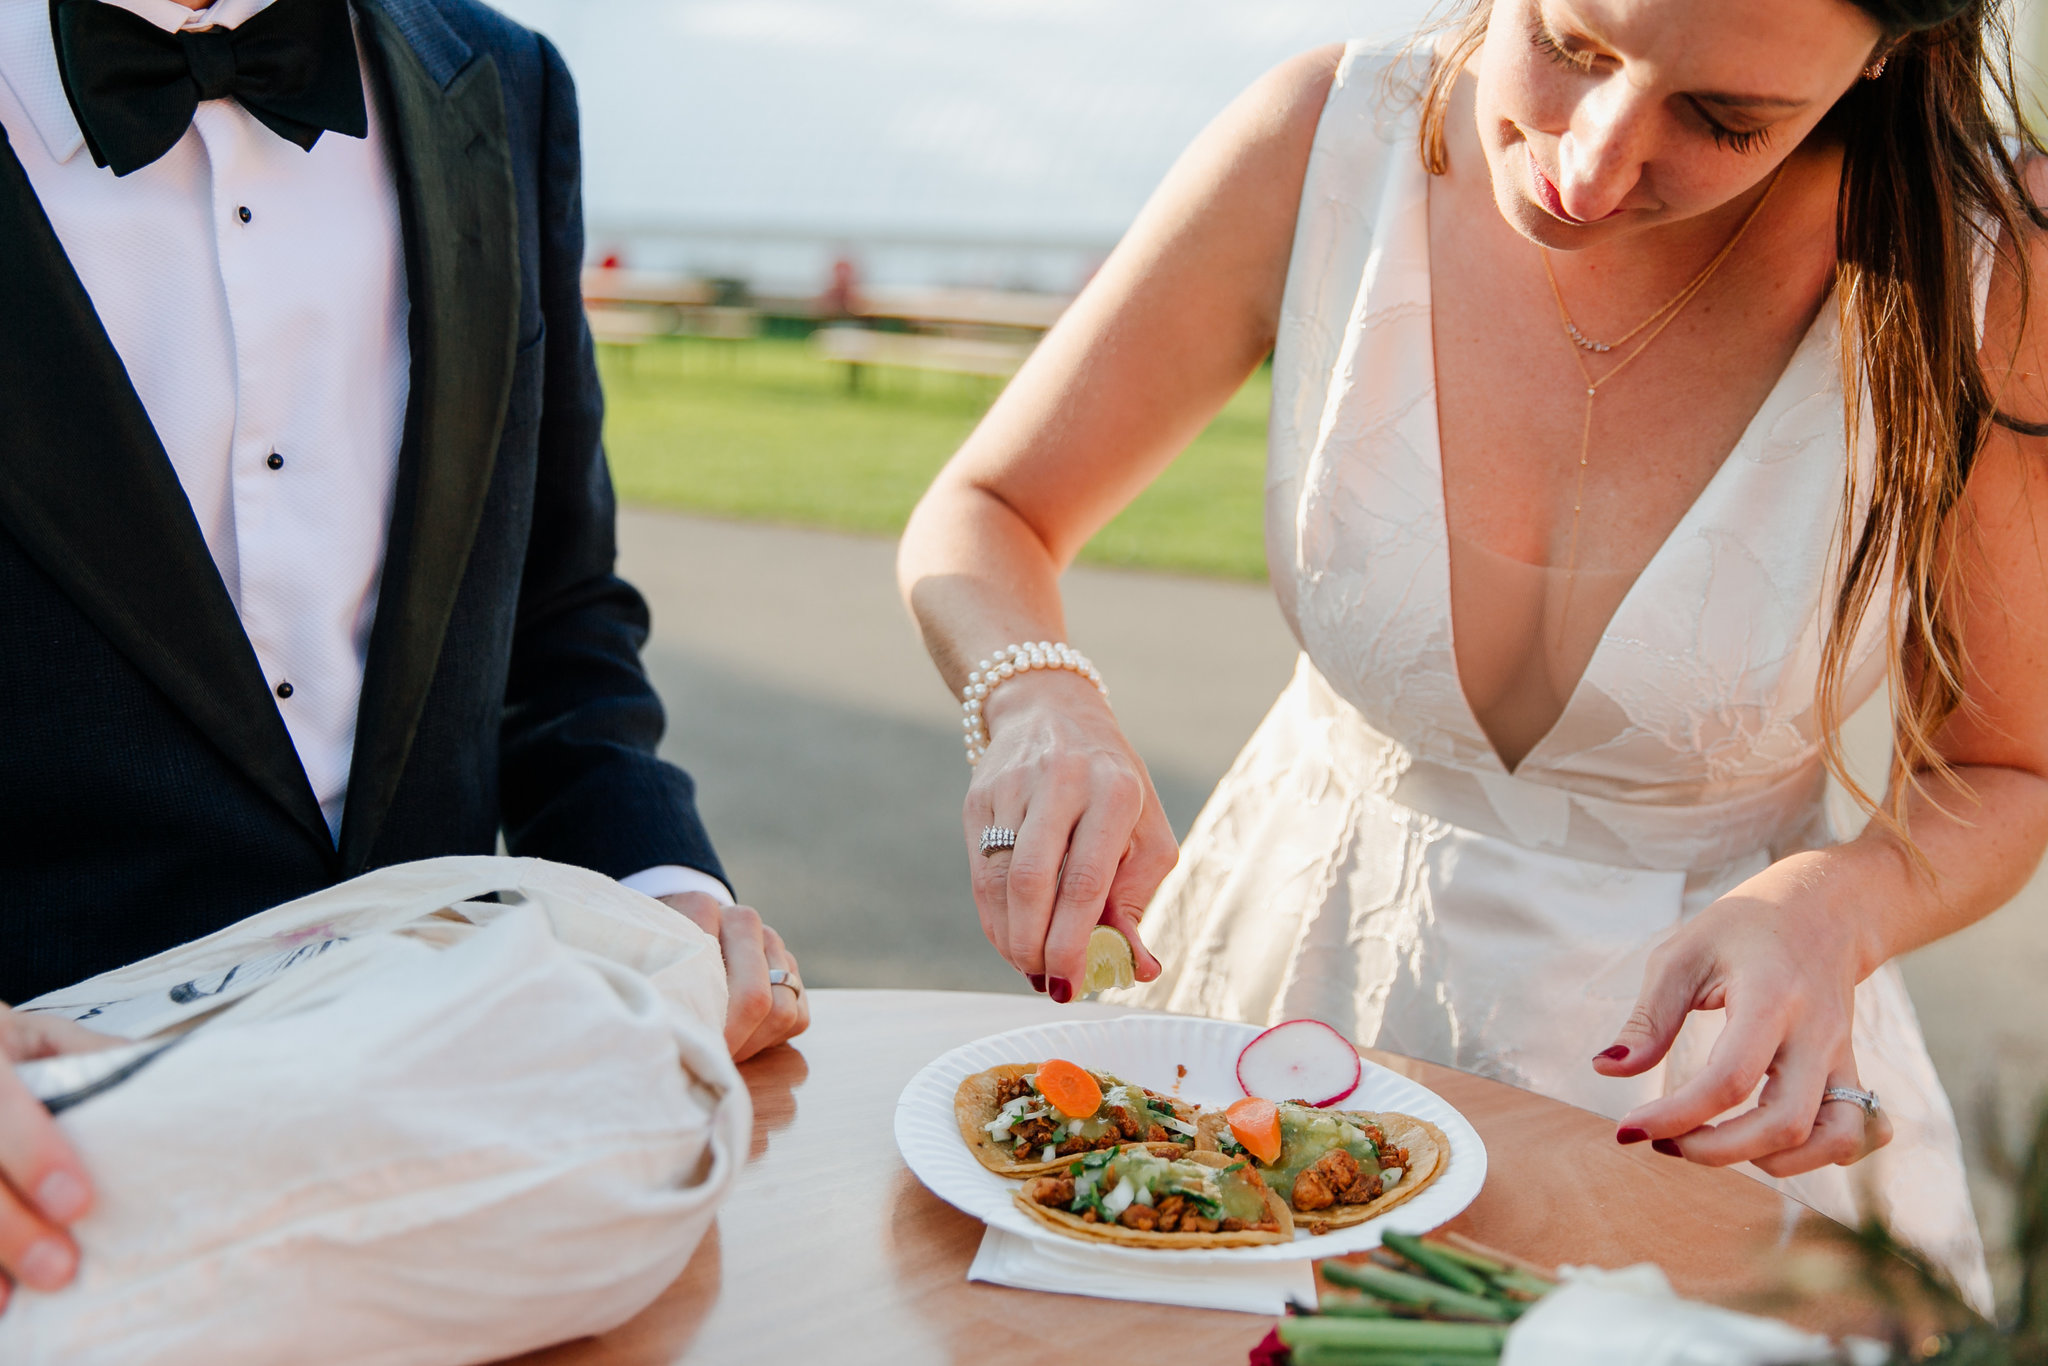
(1109, 962)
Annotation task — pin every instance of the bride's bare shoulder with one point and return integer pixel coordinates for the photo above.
(1277, 118)
(1287, 102)
(1302, 83)
(1236, 186)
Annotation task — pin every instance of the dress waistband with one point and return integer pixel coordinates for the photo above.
(1773, 818)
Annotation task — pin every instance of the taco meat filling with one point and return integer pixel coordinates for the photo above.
(1036, 1131)
(1152, 1194)
(1336, 1179)
(1328, 1159)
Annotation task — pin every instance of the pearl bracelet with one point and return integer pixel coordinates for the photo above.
(1008, 662)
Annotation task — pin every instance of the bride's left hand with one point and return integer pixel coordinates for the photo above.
(1783, 963)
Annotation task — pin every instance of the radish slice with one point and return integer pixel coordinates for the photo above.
(1300, 1060)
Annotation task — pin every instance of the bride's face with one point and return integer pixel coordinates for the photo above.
(1603, 117)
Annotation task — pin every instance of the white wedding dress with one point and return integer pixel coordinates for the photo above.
(1369, 861)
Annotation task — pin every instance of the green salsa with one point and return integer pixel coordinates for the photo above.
(1307, 1133)
(1219, 1193)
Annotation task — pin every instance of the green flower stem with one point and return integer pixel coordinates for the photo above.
(1444, 1268)
(1414, 1290)
(1416, 1336)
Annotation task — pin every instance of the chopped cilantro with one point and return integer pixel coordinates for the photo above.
(1208, 1204)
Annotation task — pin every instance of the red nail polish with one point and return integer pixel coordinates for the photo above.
(1667, 1147)
(1614, 1054)
(1630, 1135)
(1060, 989)
(1037, 980)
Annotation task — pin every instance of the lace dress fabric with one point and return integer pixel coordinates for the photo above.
(1370, 861)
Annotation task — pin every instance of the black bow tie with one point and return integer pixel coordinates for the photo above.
(134, 87)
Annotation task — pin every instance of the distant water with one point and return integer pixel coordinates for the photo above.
(759, 137)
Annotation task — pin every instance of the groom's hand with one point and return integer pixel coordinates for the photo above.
(757, 1015)
(43, 1186)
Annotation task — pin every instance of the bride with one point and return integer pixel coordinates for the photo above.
(1587, 555)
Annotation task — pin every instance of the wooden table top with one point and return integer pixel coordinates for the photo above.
(830, 1251)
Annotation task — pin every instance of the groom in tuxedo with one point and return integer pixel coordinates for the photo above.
(306, 535)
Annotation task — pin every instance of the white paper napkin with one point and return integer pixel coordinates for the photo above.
(1632, 1317)
(1111, 1274)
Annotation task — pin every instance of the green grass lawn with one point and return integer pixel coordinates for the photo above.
(766, 430)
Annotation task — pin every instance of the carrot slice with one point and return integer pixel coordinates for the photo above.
(1071, 1090)
(1257, 1126)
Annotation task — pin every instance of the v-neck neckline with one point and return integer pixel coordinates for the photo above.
(1712, 493)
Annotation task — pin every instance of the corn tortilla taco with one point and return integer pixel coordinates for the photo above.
(1337, 1168)
(1014, 1129)
(1133, 1197)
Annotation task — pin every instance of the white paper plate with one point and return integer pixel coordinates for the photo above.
(1148, 1049)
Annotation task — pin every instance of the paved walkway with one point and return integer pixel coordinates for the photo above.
(828, 755)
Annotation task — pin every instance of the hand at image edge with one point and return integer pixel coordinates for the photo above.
(759, 1014)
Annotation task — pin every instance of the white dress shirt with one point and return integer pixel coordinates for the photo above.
(256, 294)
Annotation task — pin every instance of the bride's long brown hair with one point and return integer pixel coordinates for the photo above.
(1930, 179)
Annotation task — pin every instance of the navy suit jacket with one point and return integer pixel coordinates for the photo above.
(149, 792)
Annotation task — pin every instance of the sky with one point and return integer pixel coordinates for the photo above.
(1035, 120)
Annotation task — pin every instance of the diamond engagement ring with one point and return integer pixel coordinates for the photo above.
(1864, 1100)
(996, 837)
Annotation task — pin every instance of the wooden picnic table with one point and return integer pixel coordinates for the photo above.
(830, 1251)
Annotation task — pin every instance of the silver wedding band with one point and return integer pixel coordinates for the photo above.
(783, 977)
(1863, 1100)
(996, 837)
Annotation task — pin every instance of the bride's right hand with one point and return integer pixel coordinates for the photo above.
(1092, 842)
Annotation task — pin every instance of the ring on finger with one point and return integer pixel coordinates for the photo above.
(783, 977)
(995, 837)
(1863, 1100)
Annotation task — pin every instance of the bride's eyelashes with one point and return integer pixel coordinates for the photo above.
(1551, 46)
(1734, 139)
(1584, 62)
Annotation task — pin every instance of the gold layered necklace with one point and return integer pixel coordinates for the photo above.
(1582, 346)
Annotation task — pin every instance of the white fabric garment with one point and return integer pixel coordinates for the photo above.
(1632, 1317)
(1368, 860)
(409, 1128)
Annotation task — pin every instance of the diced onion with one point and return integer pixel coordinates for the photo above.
(1143, 1197)
(1006, 1117)
(1391, 1177)
(1049, 1154)
(1119, 1200)
(1178, 1124)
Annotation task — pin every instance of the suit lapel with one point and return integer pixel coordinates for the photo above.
(90, 495)
(446, 119)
